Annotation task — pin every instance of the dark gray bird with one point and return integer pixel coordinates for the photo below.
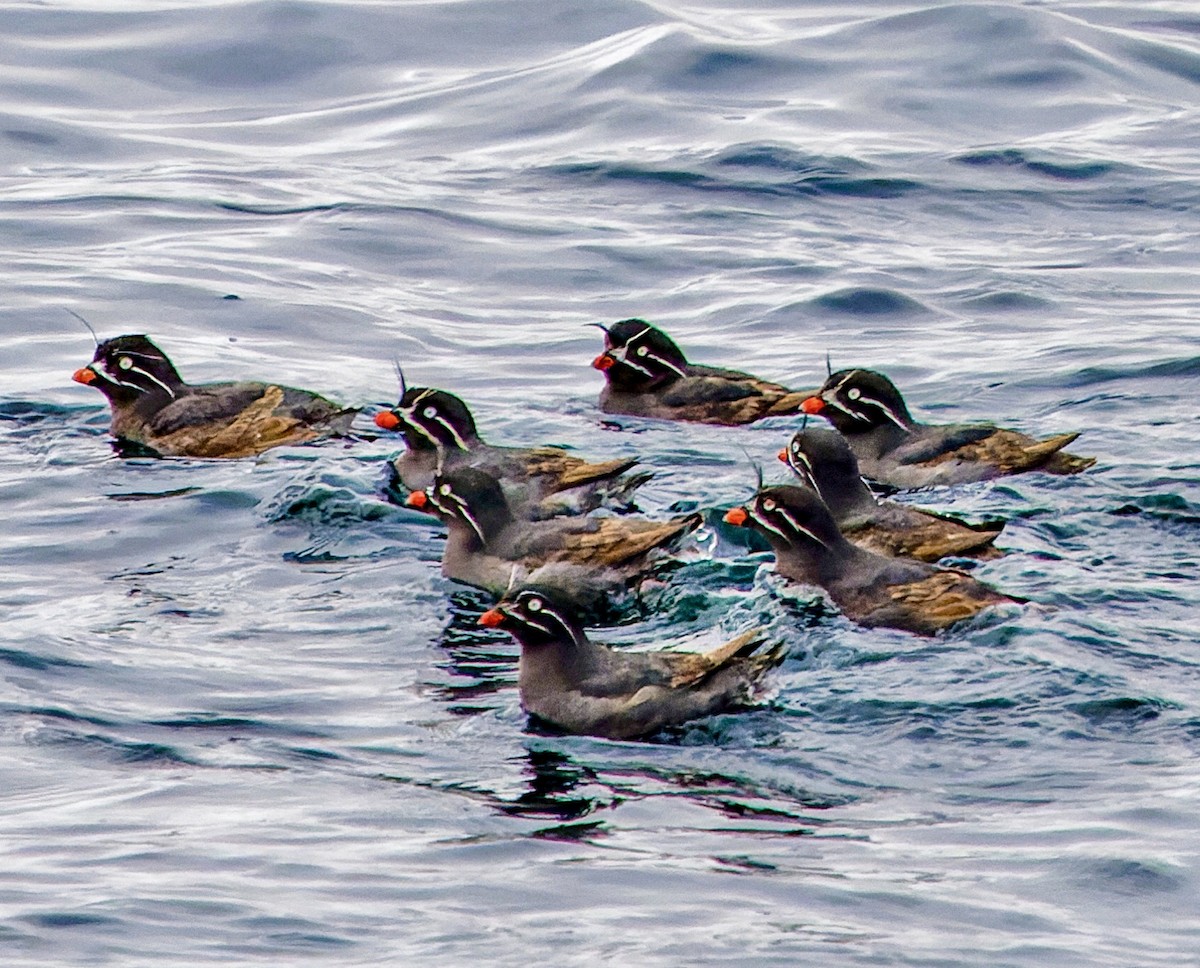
(824, 461)
(897, 450)
(591, 558)
(646, 375)
(153, 408)
(580, 686)
(870, 589)
(438, 427)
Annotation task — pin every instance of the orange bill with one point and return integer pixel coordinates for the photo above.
(736, 516)
(492, 618)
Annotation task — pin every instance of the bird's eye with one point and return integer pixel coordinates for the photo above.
(768, 505)
(534, 604)
(642, 351)
(854, 393)
(795, 447)
(429, 412)
(124, 362)
(445, 490)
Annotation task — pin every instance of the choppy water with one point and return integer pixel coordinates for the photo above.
(244, 721)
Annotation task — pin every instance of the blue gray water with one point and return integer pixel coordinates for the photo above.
(243, 719)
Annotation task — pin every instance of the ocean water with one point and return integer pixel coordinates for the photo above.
(243, 719)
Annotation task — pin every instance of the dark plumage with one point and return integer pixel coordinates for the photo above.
(895, 449)
(590, 557)
(580, 686)
(646, 375)
(538, 481)
(824, 461)
(153, 408)
(870, 589)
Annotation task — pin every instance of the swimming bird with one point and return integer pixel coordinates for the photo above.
(822, 458)
(647, 375)
(155, 410)
(579, 686)
(592, 557)
(893, 448)
(870, 589)
(438, 427)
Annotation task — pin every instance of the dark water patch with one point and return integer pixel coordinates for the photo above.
(879, 187)
(41, 663)
(285, 934)
(1036, 77)
(1015, 158)
(314, 942)
(1169, 509)
(1005, 302)
(123, 751)
(865, 301)
(240, 725)
(575, 833)
(152, 495)
(72, 919)
(805, 185)
(314, 753)
(786, 160)
(27, 412)
(1183, 367)
(1123, 711)
(725, 791)
(1123, 875)
(801, 174)
(25, 136)
(329, 504)
(608, 171)
(558, 786)
(717, 69)
(276, 210)
(64, 715)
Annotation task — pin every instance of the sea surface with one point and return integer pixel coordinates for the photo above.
(243, 718)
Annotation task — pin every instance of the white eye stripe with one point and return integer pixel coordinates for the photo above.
(798, 461)
(470, 519)
(633, 339)
(803, 458)
(887, 411)
(629, 363)
(831, 399)
(142, 356)
(799, 528)
(423, 432)
(454, 434)
(545, 612)
(151, 376)
(532, 624)
(661, 362)
(105, 375)
(767, 525)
